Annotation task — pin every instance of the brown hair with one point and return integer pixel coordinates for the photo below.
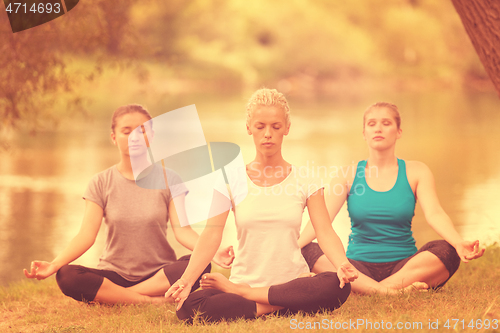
(390, 106)
(126, 109)
(267, 97)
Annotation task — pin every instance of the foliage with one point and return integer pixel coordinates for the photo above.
(244, 43)
(31, 75)
(34, 80)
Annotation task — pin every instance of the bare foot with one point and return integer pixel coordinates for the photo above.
(395, 289)
(220, 282)
(310, 274)
(142, 299)
(420, 286)
(160, 300)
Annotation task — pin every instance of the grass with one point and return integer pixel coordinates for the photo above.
(472, 294)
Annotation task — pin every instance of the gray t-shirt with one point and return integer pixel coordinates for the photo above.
(136, 220)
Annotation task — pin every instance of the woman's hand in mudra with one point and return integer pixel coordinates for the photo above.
(467, 250)
(179, 291)
(40, 270)
(224, 257)
(346, 273)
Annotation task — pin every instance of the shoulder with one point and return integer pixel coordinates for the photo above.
(418, 170)
(304, 175)
(416, 166)
(251, 171)
(306, 179)
(301, 171)
(98, 186)
(233, 184)
(173, 177)
(343, 175)
(176, 185)
(103, 176)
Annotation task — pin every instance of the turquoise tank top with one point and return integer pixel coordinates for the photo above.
(381, 221)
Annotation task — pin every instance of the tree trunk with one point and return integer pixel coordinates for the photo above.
(481, 19)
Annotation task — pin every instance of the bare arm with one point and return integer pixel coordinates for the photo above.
(78, 245)
(203, 252)
(334, 199)
(438, 219)
(185, 235)
(328, 239)
(307, 235)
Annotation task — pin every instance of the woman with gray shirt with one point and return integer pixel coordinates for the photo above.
(138, 264)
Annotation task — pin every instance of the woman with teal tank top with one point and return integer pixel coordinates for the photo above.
(381, 198)
(381, 220)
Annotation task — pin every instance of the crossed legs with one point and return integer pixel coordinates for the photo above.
(416, 274)
(111, 293)
(104, 286)
(258, 295)
(94, 285)
(222, 299)
(430, 267)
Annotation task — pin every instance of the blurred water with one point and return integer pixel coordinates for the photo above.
(43, 177)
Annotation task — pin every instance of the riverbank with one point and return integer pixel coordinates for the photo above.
(471, 298)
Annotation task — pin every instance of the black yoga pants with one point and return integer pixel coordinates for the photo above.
(82, 283)
(308, 294)
(379, 271)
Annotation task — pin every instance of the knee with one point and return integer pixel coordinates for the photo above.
(441, 248)
(451, 253)
(429, 258)
(75, 282)
(445, 252)
(186, 312)
(194, 305)
(332, 292)
(448, 256)
(346, 291)
(65, 278)
(213, 305)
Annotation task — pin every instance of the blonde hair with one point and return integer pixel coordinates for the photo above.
(126, 109)
(267, 97)
(392, 107)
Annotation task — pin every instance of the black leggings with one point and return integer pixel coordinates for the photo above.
(82, 283)
(379, 271)
(308, 294)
